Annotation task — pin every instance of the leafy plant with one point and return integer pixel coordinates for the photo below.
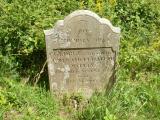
(109, 116)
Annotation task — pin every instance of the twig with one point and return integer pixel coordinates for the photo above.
(37, 77)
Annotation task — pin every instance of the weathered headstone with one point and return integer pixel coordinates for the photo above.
(81, 53)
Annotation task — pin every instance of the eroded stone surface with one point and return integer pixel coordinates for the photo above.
(81, 53)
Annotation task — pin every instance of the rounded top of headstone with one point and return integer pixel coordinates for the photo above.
(93, 15)
(82, 12)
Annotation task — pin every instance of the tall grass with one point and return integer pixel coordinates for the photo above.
(23, 102)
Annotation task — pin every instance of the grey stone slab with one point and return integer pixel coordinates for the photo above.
(81, 53)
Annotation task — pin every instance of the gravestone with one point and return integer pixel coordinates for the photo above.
(81, 53)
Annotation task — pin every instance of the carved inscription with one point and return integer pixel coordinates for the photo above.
(83, 66)
(80, 40)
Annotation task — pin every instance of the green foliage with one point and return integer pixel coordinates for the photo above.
(21, 29)
(136, 94)
(23, 22)
(127, 100)
(19, 101)
(7, 67)
(109, 116)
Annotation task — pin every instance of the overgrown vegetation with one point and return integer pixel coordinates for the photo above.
(135, 96)
(21, 102)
